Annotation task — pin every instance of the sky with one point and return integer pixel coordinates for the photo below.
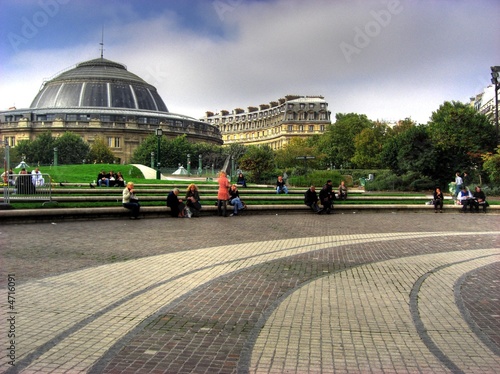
(388, 59)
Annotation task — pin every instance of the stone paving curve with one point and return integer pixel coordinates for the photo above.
(289, 294)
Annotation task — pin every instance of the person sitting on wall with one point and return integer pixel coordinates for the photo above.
(437, 200)
(311, 199)
(342, 191)
(37, 178)
(8, 177)
(241, 180)
(175, 204)
(326, 196)
(465, 198)
(24, 184)
(103, 178)
(235, 200)
(130, 200)
(111, 178)
(193, 200)
(119, 182)
(281, 186)
(479, 200)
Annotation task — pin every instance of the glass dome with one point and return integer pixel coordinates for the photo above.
(98, 83)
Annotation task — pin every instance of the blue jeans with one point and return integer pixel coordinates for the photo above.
(238, 205)
(99, 182)
(283, 189)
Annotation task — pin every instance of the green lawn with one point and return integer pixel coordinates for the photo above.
(87, 173)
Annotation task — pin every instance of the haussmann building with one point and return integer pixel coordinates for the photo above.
(273, 124)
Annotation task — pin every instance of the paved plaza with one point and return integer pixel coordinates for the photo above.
(297, 293)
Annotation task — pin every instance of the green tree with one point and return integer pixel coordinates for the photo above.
(71, 149)
(211, 154)
(337, 143)
(460, 135)
(100, 152)
(41, 150)
(368, 144)
(22, 148)
(492, 166)
(286, 157)
(258, 161)
(176, 151)
(412, 151)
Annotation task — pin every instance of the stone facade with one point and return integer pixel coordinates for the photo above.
(273, 124)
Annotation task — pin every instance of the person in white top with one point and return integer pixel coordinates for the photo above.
(458, 183)
(37, 178)
(465, 198)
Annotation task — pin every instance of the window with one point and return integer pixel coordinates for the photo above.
(110, 142)
(301, 128)
(290, 128)
(290, 116)
(311, 128)
(117, 142)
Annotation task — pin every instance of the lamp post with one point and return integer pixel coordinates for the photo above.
(305, 158)
(200, 170)
(495, 72)
(232, 167)
(55, 156)
(189, 163)
(159, 133)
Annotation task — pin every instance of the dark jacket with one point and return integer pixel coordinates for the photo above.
(326, 195)
(310, 197)
(174, 204)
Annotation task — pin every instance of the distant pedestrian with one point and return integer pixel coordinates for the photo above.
(130, 200)
(458, 183)
(281, 185)
(175, 204)
(223, 194)
(437, 200)
(326, 196)
(311, 199)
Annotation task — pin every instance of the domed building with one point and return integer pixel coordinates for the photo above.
(101, 98)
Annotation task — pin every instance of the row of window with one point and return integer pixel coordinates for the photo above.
(276, 130)
(290, 115)
(260, 124)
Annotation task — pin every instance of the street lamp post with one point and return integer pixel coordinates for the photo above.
(232, 167)
(200, 169)
(189, 163)
(159, 133)
(495, 72)
(305, 158)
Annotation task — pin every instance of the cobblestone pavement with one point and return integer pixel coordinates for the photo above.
(346, 293)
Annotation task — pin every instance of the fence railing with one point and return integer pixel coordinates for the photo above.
(27, 187)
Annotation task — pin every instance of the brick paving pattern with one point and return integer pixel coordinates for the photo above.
(299, 293)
